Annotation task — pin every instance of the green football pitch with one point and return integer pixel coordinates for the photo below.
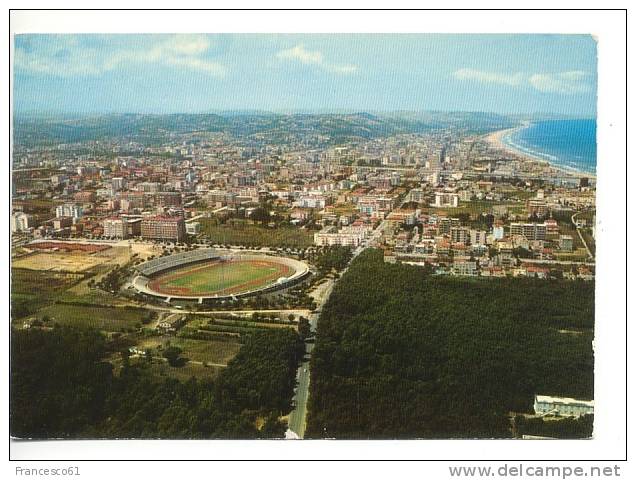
(220, 278)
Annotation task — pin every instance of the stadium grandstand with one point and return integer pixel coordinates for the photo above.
(149, 272)
(169, 262)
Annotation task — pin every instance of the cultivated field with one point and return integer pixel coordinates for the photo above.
(162, 369)
(31, 290)
(108, 319)
(200, 351)
(220, 278)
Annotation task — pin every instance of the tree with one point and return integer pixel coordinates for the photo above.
(125, 359)
(172, 354)
(484, 346)
(273, 427)
(304, 328)
(261, 214)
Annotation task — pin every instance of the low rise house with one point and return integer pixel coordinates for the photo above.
(562, 406)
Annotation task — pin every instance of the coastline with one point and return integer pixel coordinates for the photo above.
(496, 140)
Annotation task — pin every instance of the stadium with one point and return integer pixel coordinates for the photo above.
(208, 274)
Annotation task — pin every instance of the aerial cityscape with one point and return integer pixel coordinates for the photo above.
(303, 236)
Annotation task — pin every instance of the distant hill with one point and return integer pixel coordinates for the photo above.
(272, 128)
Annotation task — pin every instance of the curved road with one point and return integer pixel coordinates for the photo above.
(578, 230)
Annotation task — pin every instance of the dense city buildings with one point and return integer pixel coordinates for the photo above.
(442, 197)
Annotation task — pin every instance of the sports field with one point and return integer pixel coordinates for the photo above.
(59, 262)
(220, 277)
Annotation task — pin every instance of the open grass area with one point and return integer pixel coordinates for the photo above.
(204, 351)
(163, 370)
(587, 215)
(579, 255)
(522, 195)
(32, 290)
(234, 276)
(255, 235)
(566, 228)
(101, 318)
(82, 293)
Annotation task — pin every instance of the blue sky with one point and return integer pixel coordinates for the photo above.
(327, 72)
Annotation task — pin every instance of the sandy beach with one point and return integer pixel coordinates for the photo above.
(495, 140)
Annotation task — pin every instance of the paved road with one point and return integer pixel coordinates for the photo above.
(555, 262)
(284, 312)
(298, 416)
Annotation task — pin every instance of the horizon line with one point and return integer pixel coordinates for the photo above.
(295, 111)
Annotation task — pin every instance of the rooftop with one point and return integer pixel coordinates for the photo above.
(563, 400)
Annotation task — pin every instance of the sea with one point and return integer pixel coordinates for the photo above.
(569, 144)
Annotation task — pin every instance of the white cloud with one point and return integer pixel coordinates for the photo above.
(195, 63)
(489, 77)
(65, 56)
(301, 54)
(344, 69)
(566, 83)
(308, 57)
(189, 44)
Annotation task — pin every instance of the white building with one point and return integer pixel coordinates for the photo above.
(105, 192)
(20, 222)
(562, 406)
(445, 199)
(531, 231)
(460, 235)
(498, 232)
(149, 187)
(311, 201)
(464, 268)
(69, 210)
(122, 227)
(193, 228)
(118, 183)
(478, 237)
(417, 195)
(330, 236)
(115, 228)
(59, 179)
